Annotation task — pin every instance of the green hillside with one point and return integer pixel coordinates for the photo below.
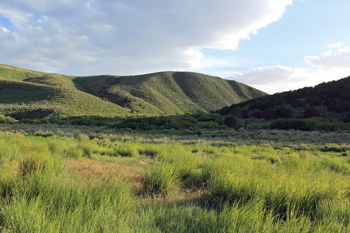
(168, 92)
(12, 73)
(37, 100)
(27, 93)
(17, 74)
(38, 93)
(329, 100)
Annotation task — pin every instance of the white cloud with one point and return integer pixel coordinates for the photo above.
(332, 65)
(273, 79)
(5, 29)
(335, 45)
(127, 37)
(331, 58)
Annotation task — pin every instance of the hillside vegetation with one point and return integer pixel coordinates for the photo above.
(150, 94)
(329, 100)
(31, 94)
(168, 92)
(31, 100)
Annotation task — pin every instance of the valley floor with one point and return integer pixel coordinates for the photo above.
(61, 178)
(258, 136)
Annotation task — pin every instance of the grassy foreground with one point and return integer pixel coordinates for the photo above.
(60, 184)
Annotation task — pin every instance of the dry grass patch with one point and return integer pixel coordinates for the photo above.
(94, 170)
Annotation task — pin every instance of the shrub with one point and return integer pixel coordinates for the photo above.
(310, 124)
(230, 121)
(347, 118)
(208, 117)
(311, 112)
(282, 112)
(82, 137)
(208, 125)
(7, 119)
(258, 114)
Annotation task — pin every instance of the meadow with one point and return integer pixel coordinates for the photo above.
(73, 181)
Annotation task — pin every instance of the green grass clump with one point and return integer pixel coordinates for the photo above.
(248, 217)
(39, 195)
(160, 179)
(34, 164)
(149, 150)
(128, 150)
(9, 152)
(66, 209)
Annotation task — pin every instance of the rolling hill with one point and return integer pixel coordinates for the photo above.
(34, 100)
(168, 92)
(329, 100)
(39, 94)
(32, 94)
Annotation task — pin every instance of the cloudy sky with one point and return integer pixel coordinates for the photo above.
(273, 45)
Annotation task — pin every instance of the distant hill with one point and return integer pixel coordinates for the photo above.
(168, 92)
(38, 94)
(329, 100)
(37, 100)
(31, 94)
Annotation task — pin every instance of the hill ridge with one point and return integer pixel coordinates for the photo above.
(170, 91)
(327, 100)
(158, 93)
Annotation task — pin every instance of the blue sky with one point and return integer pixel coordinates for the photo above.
(273, 45)
(5, 23)
(306, 28)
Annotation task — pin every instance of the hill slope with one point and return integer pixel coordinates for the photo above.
(149, 94)
(168, 92)
(327, 100)
(32, 100)
(32, 94)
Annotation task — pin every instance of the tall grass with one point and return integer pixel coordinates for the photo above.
(224, 188)
(41, 196)
(160, 179)
(48, 207)
(250, 217)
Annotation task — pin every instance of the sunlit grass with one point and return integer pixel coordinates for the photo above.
(101, 185)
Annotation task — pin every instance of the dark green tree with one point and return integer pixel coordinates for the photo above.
(230, 121)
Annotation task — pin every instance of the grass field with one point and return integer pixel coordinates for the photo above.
(76, 182)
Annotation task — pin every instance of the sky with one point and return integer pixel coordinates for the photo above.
(272, 45)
